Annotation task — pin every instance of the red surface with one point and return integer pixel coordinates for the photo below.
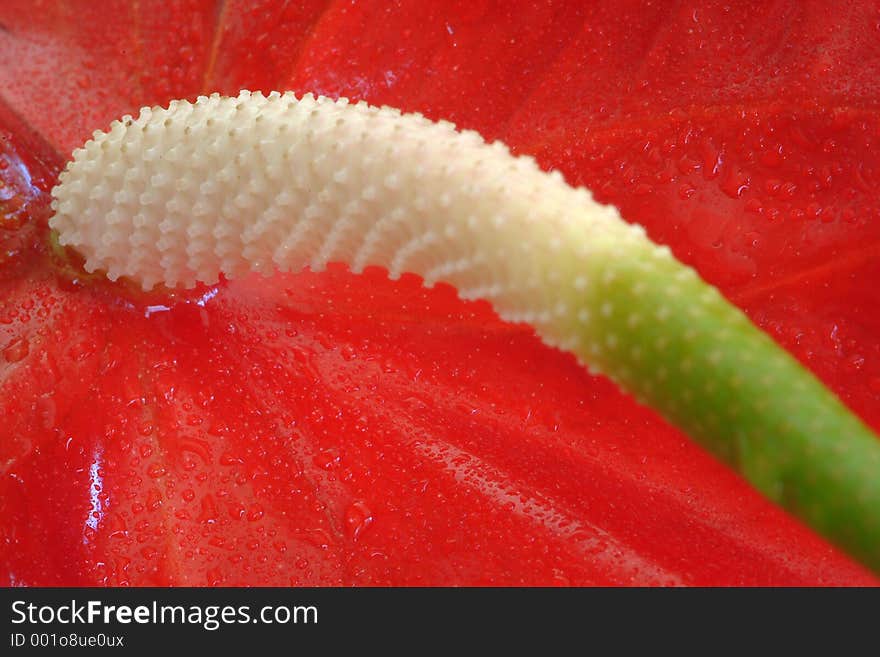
(333, 429)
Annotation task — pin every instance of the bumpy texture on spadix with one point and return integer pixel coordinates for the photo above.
(230, 185)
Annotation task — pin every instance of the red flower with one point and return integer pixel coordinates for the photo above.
(333, 429)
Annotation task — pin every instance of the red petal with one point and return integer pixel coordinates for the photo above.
(75, 67)
(332, 429)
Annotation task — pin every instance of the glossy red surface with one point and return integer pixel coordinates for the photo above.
(333, 429)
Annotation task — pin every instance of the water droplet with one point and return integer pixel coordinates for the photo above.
(713, 158)
(327, 459)
(229, 459)
(772, 157)
(16, 350)
(318, 537)
(357, 518)
(788, 190)
(754, 206)
(753, 239)
(209, 510)
(154, 497)
(157, 470)
(559, 579)
(686, 191)
(149, 552)
(734, 183)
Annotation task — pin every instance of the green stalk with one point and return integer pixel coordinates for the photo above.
(679, 346)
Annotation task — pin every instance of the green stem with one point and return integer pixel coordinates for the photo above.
(677, 344)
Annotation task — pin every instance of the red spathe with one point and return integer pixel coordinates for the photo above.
(333, 429)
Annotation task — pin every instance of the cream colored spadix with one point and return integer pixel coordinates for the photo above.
(230, 185)
(255, 183)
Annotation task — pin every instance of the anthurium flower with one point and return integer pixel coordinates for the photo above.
(323, 428)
